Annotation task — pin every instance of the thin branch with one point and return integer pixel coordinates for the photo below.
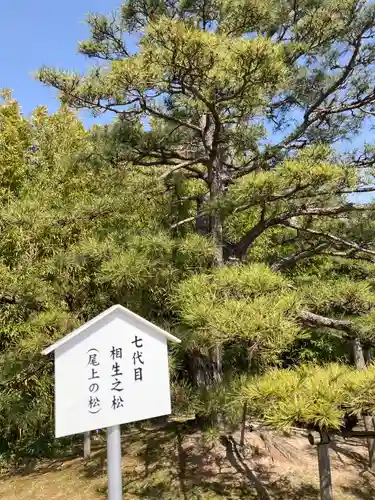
(370, 99)
(269, 199)
(332, 237)
(367, 112)
(184, 164)
(349, 255)
(336, 84)
(242, 246)
(185, 221)
(313, 113)
(173, 119)
(338, 192)
(328, 211)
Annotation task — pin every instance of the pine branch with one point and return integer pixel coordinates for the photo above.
(185, 221)
(349, 255)
(332, 237)
(313, 114)
(185, 165)
(312, 319)
(330, 211)
(167, 117)
(370, 99)
(288, 193)
(110, 33)
(339, 192)
(345, 74)
(247, 240)
(291, 260)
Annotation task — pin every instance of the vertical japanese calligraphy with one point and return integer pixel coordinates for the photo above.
(138, 359)
(117, 374)
(93, 381)
(116, 383)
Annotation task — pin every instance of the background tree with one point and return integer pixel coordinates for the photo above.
(70, 247)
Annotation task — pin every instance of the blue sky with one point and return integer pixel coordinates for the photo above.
(34, 33)
(43, 32)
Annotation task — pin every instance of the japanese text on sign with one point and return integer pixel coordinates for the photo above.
(117, 374)
(138, 359)
(93, 379)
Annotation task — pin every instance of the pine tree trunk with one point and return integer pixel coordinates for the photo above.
(243, 425)
(325, 478)
(360, 363)
(369, 426)
(216, 184)
(86, 445)
(358, 357)
(208, 370)
(367, 355)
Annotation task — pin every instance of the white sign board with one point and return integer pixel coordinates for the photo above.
(111, 371)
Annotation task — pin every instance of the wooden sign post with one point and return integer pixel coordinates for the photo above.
(112, 370)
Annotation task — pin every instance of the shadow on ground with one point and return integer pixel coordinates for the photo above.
(348, 453)
(171, 464)
(174, 463)
(364, 490)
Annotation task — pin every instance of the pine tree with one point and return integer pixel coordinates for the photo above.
(245, 102)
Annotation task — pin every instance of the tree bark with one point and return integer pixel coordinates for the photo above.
(216, 185)
(243, 425)
(325, 478)
(369, 426)
(207, 371)
(357, 353)
(313, 319)
(360, 363)
(358, 359)
(367, 355)
(86, 445)
(291, 260)
(241, 248)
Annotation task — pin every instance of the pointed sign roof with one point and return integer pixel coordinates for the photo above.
(108, 312)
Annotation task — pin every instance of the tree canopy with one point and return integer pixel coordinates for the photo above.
(253, 117)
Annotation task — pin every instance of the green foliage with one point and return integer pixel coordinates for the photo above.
(318, 345)
(307, 173)
(249, 304)
(362, 397)
(256, 69)
(309, 395)
(15, 141)
(340, 296)
(76, 238)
